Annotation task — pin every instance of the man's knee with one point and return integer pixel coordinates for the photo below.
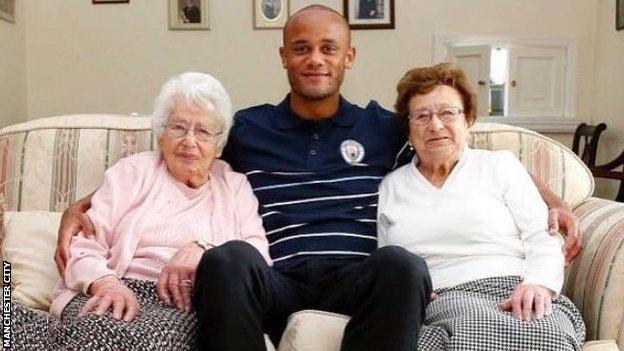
(398, 262)
(231, 259)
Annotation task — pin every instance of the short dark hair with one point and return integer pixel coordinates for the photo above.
(316, 7)
(422, 80)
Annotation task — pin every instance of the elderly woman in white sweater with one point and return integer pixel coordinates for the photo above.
(477, 219)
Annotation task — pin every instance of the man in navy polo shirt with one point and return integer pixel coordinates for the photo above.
(315, 162)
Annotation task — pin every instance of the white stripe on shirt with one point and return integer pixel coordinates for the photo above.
(286, 227)
(277, 173)
(323, 234)
(314, 182)
(321, 253)
(327, 198)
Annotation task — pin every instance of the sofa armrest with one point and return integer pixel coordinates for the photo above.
(595, 280)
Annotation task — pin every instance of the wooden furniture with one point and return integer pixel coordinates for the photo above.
(589, 135)
(608, 171)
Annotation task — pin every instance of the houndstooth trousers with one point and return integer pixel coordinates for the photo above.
(464, 317)
(468, 317)
(158, 327)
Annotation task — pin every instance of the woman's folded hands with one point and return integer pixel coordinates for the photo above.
(528, 301)
(177, 279)
(110, 293)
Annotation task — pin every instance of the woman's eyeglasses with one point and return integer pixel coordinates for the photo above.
(445, 114)
(180, 131)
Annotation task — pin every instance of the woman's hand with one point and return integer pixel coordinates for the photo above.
(110, 293)
(178, 277)
(529, 299)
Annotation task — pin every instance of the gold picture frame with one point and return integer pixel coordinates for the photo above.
(270, 14)
(189, 14)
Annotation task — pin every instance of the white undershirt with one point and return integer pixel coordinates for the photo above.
(487, 220)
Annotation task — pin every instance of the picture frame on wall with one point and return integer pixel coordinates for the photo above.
(270, 14)
(189, 14)
(7, 10)
(619, 15)
(110, 1)
(369, 14)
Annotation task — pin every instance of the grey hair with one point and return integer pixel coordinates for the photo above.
(197, 88)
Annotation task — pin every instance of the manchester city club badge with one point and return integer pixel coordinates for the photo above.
(352, 151)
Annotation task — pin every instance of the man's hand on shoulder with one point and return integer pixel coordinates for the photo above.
(73, 221)
(562, 219)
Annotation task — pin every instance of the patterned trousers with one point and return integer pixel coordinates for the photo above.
(468, 317)
(158, 327)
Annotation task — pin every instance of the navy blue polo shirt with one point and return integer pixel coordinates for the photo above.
(317, 181)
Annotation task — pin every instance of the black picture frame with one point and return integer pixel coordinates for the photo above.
(97, 2)
(619, 15)
(7, 10)
(198, 16)
(379, 16)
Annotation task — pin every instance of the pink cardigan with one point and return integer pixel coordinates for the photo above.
(131, 198)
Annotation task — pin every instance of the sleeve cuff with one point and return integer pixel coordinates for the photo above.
(554, 284)
(85, 272)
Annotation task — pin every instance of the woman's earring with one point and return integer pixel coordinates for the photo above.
(410, 146)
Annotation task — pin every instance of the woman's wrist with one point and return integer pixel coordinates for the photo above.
(546, 290)
(103, 280)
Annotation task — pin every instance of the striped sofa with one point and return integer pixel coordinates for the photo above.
(49, 163)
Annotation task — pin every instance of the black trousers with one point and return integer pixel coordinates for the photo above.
(238, 297)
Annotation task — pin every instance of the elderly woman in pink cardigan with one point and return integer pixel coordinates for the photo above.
(119, 290)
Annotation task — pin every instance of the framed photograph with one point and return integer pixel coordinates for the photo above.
(189, 14)
(369, 14)
(7, 10)
(619, 15)
(110, 1)
(270, 14)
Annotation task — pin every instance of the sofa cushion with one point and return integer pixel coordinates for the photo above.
(49, 163)
(595, 280)
(548, 160)
(600, 345)
(29, 246)
(311, 330)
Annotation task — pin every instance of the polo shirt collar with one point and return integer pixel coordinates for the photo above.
(287, 119)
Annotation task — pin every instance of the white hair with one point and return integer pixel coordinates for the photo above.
(196, 88)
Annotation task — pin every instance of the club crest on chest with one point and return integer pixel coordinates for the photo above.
(352, 151)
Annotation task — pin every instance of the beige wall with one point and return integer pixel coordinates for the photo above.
(12, 70)
(609, 90)
(72, 56)
(112, 58)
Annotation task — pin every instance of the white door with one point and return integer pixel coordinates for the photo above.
(536, 82)
(475, 61)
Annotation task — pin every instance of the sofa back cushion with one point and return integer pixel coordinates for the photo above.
(29, 247)
(548, 160)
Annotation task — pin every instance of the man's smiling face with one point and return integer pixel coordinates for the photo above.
(315, 54)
